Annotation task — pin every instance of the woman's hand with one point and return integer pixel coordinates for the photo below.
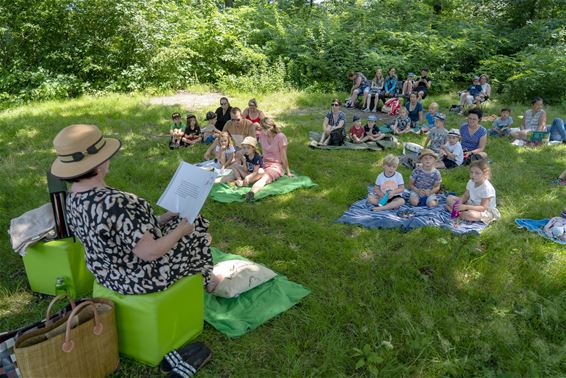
(185, 227)
(164, 218)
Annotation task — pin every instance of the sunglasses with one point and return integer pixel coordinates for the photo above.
(223, 103)
(335, 104)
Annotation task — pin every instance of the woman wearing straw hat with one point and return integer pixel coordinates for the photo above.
(127, 248)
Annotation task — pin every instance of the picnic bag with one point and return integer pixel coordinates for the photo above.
(8, 366)
(391, 106)
(82, 344)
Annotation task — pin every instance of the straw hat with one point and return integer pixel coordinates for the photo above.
(81, 148)
(426, 152)
(250, 141)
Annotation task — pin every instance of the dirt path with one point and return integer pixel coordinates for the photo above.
(189, 100)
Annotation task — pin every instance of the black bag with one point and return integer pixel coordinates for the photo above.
(336, 138)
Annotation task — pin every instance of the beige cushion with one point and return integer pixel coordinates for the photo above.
(238, 276)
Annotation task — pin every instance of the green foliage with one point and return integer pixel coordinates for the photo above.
(58, 48)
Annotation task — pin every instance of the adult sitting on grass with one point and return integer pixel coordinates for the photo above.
(274, 146)
(252, 113)
(422, 84)
(127, 248)
(333, 126)
(415, 110)
(223, 113)
(534, 119)
(473, 137)
(238, 127)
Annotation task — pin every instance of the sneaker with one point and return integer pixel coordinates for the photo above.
(250, 196)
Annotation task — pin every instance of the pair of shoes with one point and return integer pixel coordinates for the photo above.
(186, 361)
(250, 196)
(366, 110)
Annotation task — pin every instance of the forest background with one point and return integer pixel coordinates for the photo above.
(60, 48)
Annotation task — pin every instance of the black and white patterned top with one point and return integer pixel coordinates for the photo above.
(109, 223)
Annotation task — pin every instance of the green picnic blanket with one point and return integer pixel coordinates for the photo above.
(388, 142)
(237, 316)
(285, 184)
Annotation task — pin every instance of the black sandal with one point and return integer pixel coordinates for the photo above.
(186, 361)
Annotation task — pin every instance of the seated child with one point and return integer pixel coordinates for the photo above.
(408, 85)
(402, 122)
(210, 132)
(471, 95)
(192, 131)
(425, 181)
(371, 130)
(438, 135)
(389, 186)
(478, 203)
(176, 131)
(556, 227)
(451, 154)
(357, 134)
(501, 126)
(430, 120)
(252, 162)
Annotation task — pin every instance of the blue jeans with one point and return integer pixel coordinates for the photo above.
(557, 131)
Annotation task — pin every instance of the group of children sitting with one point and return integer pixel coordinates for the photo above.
(182, 135)
(477, 203)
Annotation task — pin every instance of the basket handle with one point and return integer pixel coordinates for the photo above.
(54, 300)
(69, 344)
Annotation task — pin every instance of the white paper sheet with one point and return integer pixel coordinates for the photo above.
(214, 166)
(187, 191)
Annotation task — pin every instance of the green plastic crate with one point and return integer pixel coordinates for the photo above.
(45, 261)
(152, 325)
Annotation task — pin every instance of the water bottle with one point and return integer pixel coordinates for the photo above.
(384, 199)
(63, 286)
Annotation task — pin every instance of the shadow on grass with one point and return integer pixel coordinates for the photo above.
(448, 304)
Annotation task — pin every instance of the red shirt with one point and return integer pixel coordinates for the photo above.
(357, 131)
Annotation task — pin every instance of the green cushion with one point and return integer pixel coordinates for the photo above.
(152, 325)
(45, 261)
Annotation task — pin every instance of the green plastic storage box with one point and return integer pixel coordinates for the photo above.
(152, 325)
(46, 261)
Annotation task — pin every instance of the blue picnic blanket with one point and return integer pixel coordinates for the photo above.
(361, 213)
(536, 225)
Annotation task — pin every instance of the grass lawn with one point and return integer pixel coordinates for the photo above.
(489, 305)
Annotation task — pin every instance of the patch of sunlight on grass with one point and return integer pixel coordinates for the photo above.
(27, 133)
(466, 277)
(282, 265)
(246, 251)
(14, 303)
(281, 214)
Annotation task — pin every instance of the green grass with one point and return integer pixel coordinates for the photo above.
(489, 305)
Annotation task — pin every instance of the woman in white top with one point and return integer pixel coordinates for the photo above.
(534, 119)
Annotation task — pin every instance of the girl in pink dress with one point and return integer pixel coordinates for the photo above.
(274, 146)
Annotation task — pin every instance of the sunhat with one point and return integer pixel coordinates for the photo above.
(250, 141)
(372, 118)
(81, 148)
(210, 115)
(426, 152)
(355, 118)
(455, 132)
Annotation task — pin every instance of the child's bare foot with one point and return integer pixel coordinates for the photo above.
(239, 183)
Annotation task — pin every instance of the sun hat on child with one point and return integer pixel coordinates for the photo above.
(210, 115)
(250, 141)
(427, 152)
(81, 148)
(440, 116)
(355, 118)
(372, 118)
(455, 132)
